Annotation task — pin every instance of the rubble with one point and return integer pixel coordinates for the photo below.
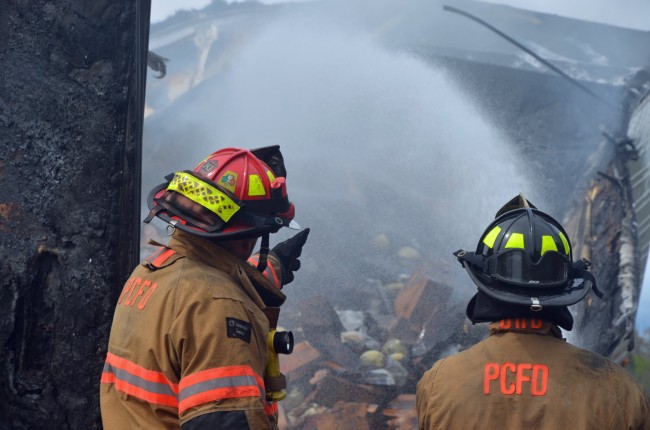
(358, 369)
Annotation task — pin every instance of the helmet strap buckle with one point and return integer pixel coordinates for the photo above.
(264, 253)
(536, 306)
(171, 227)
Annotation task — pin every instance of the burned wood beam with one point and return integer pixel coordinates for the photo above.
(610, 242)
(157, 63)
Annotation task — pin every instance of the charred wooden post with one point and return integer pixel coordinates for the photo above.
(605, 325)
(70, 103)
(605, 232)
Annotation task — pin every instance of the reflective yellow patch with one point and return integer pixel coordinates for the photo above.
(204, 194)
(548, 244)
(269, 174)
(516, 240)
(255, 186)
(565, 242)
(489, 238)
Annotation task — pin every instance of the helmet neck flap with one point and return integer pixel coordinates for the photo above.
(484, 308)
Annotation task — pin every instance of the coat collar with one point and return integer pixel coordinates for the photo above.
(210, 253)
(525, 325)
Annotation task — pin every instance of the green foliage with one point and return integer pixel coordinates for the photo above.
(639, 365)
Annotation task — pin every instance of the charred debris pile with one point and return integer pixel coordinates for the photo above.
(357, 357)
(359, 368)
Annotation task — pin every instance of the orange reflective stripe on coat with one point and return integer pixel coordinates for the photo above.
(271, 408)
(220, 383)
(196, 389)
(269, 273)
(148, 385)
(162, 256)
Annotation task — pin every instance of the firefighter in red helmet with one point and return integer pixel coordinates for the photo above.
(525, 375)
(189, 342)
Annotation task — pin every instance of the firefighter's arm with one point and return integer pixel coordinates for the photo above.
(221, 383)
(273, 270)
(283, 259)
(631, 396)
(423, 398)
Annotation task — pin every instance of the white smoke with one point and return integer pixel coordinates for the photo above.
(375, 142)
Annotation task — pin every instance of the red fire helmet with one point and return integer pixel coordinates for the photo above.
(233, 193)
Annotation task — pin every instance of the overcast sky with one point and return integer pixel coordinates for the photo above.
(161, 9)
(623, 13)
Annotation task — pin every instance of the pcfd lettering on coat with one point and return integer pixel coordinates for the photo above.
(520, 323)
(137, 290)
(510, 378)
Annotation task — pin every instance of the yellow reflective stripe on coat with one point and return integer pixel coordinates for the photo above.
(516, 240)
(548, 244)
(204, 194)
(489, 238)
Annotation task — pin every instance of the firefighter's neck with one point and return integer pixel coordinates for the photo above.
(242, 249)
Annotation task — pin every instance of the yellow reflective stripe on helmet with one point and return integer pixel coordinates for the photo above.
(255, 186)
(516, 240)
(565, 242)
(489, 238)
(269, 174)
(548, 244)
(204, 194)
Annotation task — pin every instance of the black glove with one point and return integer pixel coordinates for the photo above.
(287, 253)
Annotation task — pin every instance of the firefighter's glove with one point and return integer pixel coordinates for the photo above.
(287, 253)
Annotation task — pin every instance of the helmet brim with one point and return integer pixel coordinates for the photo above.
(259, 223)
(567, 295)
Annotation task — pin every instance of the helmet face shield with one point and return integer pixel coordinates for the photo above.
(514, 266)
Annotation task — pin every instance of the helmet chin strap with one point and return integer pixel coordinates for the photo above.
(264, 252)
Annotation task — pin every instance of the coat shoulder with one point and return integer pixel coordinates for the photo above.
(204, 281)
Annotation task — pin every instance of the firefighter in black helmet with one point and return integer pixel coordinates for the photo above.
(523, 262)
(525, 375)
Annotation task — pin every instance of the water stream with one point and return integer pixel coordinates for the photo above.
(376, 143)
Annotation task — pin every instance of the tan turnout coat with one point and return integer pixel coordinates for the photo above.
(525, 376)
(188, 338)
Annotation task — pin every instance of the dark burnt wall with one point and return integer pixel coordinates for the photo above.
(67, 214)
